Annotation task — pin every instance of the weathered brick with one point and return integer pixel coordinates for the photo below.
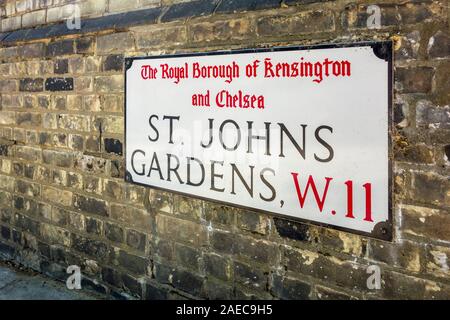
(236, 29)
(154, 36)
(32, 85)
(414, 80)
(55, 235)
(57, 158)
(154, 292)
(60, 48)
(108, 84)
(61, 66)
(303, 23)
(28, 119)
(56, 195)
(429, 187)
(136, 240)
(425, 222)
(93, 248)
(113, 62)
(182, 230)
(114, 232)
(90, 205)
(250, 276)
(116, 42)
(292, 230)
(187, 281)
(292, 289)
(8, 86)
(246, 5)
(187, 257)
(218, 266)
(94, 226)
(74, 122)
(133, 263)
(190, 9)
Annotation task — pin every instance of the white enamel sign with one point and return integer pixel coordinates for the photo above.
(298, 132)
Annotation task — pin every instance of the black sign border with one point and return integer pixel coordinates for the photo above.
(382, 49)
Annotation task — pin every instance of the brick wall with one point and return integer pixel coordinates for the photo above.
(63, 200)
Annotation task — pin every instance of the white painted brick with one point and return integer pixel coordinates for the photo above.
(54, 14)
(93, 7)
(10, 8)
(33, 18)
(13, 23)
(121, 5)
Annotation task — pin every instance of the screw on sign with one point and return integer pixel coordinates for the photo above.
(284, 130)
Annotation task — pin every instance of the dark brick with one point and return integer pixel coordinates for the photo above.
(292, 230)
(189, 9)
(113, 146)
(223, 242)
(61, 66)
(217, 266)
(59, 84)
(164, 249)
(94, 226)
(218, 291)
(447, 151)
(60, 48)
(163, 274)
(431, 188)
(18, 35)
(17, 237)
(186, 256)
(85, 45)
(7, 250)
(28, 224)
(398, 114)
(253, 221)
(324, 293)
(147, 16)
(113, 232)
(90, 205)
(44, 250)
(5, 232)
(31, 85)
(93, 144)
(43, 102)
(414, 80)
(136, 240)
(187, 281)
(440, 45)
(111, 277)
(290, 289)
(153, 292)
(113, 63)
(4, 150)
(259, 251)
(246, 5)
(250, 276)
(94, 248)
(132, 285)
(135, 264)
(77, 142)
(93, 285)
(28, 119)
